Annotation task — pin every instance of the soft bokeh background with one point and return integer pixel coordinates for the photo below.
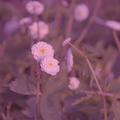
(16, 63)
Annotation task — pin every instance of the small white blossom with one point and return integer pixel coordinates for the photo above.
(73, 83)
(113, 25)
(50, 65)
(25, 20)
(35, 7)
(69, 58)
(39, 29)
(41, 50)
(81, 12)
(66, 41)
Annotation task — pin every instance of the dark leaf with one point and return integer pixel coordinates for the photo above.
(24, 85)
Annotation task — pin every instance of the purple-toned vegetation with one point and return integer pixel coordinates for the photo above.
(59, 59)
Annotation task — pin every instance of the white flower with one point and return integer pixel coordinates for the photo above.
(41, 50)
(25, 20)
(38, 29)
(81, 12)
(35, 7)
(73, 83)
(69, 58)
(113, 25)
(50, 65)
(66, 41)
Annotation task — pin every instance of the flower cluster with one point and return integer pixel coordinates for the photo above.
(44, 53)
(38, 29)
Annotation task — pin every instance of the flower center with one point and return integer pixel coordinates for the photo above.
(42, 51)
(81, 13)
(50, 65)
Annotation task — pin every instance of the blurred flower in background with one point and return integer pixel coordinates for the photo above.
(11, 26)
(81, 12)
(35, 7)
(113, 25)
(38, 29)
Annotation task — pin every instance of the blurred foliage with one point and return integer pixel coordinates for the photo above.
(18, 75)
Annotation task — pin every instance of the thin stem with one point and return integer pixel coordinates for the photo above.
(58, 18)
(84, 32)
(93, 73)
(70, 20)
(95, 78)
(107, 94)
(90, 66)
(105, 107)
(38, 92)
(93, 93)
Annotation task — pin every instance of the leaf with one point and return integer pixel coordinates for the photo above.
(24, 85)
(30, 110)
